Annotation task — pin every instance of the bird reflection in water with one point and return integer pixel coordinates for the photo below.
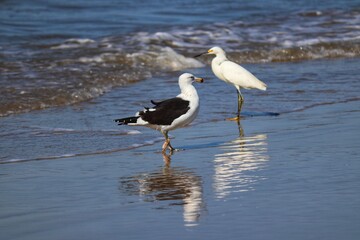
(173, 185)
(236, 167)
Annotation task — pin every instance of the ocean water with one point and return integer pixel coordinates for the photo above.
(68, 68)
(56, 53)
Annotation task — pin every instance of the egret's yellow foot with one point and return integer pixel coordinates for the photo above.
(234, 119)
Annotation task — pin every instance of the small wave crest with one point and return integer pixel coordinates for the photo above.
(73, 43)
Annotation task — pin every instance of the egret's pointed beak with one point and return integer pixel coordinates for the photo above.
(199, 80)
(200, 54)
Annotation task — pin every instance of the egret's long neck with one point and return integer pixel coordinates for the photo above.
(220, 58)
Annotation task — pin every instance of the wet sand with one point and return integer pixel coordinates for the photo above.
(294, 176)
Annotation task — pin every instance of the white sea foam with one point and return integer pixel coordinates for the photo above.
(74, 43)
(80, 40)
(171, 60)
(104, 57)
(165, 59)
(96, 59)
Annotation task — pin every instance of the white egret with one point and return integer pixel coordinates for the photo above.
(234, 74)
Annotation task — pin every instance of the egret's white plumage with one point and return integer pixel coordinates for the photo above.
(171, 113)
(233, 73)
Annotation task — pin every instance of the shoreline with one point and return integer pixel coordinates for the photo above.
(157, 138)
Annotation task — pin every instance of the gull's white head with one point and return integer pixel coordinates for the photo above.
(188, 78)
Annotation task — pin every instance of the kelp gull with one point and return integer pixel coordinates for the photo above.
(169, 114)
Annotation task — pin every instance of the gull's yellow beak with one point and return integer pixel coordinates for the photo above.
(199, 80)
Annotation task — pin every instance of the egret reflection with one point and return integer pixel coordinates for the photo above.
(236, 166)
(173, 185)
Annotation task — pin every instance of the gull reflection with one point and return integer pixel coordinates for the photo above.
(173, 185)
(236, 166)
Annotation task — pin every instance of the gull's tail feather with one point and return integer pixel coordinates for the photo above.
(126, 121)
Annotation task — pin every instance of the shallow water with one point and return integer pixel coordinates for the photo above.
(88, 128)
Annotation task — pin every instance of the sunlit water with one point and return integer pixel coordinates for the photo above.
(240, 157)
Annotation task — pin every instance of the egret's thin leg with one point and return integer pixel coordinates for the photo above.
(240, 102)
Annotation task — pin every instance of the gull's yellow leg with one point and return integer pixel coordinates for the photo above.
(167, 143)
